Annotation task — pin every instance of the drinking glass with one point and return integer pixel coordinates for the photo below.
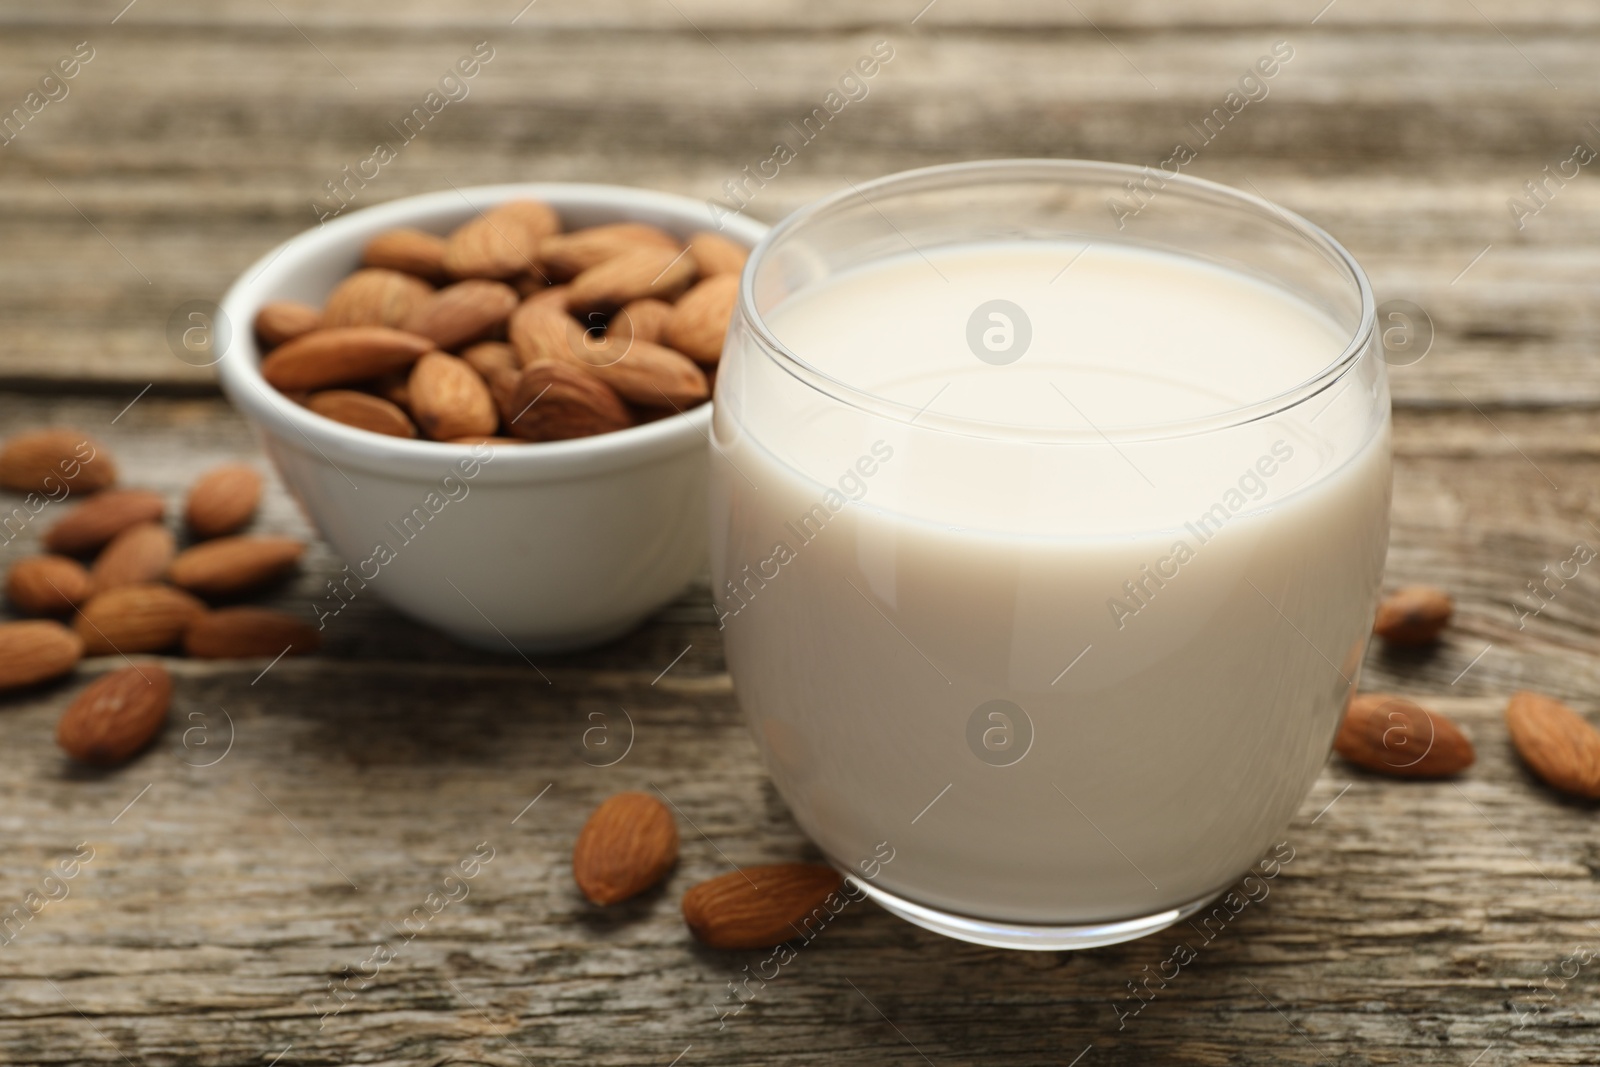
(1043, 599)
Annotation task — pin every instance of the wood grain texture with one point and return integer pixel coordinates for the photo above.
(1410, 927)
(163, 174)
(1416, 918)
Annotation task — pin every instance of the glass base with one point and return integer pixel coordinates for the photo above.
(1030, 938)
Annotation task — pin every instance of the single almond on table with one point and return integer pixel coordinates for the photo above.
(411, 251)
(341, 356)
(555, 401)
(449, 398)
(1556, 743)
(627, 846)
(135, 618)
(1414, 615)
(640, 320)
(700, 318)
(248, 633)
(486, 357)
(730, 912)
(566, 255)
(48, 585)
(137, 555)
(1393, 735)
(716, 254)
(645, 272)
(501, 243)
(649, 374)
(462, 313)
(374, 296)
(284, 320)
(222, 500)
(117, 715)
(542, 332)
(35, 650)
(49, 460)
(95, 522)
(231, 565)
(363, 411)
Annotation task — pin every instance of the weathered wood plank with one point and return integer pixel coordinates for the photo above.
(1411, 927)
(785, 15)
(183, 204)
(181, 941)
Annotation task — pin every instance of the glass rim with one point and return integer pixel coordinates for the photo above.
(971, 171)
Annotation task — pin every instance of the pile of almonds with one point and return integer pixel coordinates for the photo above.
(113, 569)
(630, 843)
(1392, 735)
(509, 330)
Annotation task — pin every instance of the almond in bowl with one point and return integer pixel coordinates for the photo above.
(626, 309)
(494, 402)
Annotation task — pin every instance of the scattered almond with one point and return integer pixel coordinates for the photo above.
(374, 297)
(1414, 615)
(716, 254)
(363, 411)
(47, 460)
(449, 399)
(644, 272)
(462, 313)
(136, 556)
(567, 255)
(412, 251)
(95, 522)
(502, 242)
(284, 320)
(135, 618)
(1393, 735)
(554, 401)
(340, 356)
(729, 912)
(48, 585)
(1556, 743)
(36, 650)
(222, 500)
(627, 846)
(248, 633)
(700, 319)
(230, 565)
(117, 715)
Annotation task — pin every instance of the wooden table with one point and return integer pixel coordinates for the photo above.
(226, 894)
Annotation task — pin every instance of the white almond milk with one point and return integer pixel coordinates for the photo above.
(1178, 619)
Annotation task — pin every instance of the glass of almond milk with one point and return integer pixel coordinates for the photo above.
(1049, 509)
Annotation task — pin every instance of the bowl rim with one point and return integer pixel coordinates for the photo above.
(238, 367)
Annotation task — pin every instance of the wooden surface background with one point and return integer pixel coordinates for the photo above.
(1414, 925)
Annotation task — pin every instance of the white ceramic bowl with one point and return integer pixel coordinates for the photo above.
(545, 547)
